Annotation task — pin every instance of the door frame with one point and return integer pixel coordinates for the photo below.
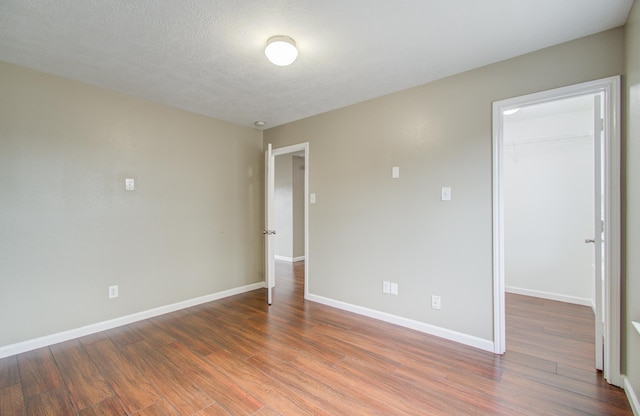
(610, 88)
(297, 148)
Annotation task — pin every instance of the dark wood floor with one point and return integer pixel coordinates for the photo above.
(237, 356)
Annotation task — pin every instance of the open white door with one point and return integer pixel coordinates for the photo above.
(269, 232)
(598, 227)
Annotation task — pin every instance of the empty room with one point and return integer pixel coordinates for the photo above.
(331, 208)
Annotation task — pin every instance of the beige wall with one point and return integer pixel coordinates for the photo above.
(68, 229)
(367, 227)
(631, 152)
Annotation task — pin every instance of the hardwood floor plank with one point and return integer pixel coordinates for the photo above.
(499, 397)
(529, 361)
(213, 410)
(379, 347)
(265, 389)
(566, 384)
(151, 333)
(271, 342)
(224, 390)
(9, 374)
(130, 386)
(555, 399)
(223, 337)
(123, 335)
(108, 407)
(12, 401)
(408, 383)
(159, 408)
(84, 382)
(382, 396)
(176, 387)
(590, 376)
(38, 372)
(303, 345)
(93, 338)
(266, 411)
(316, 390)
(172, 325)
(50, 403)
(352, 350)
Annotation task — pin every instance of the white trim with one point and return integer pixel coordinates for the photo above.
(269, 223)
(611, 89)
(45, 341)
(289, 259)
(550, 296)
(631, 395)
(613, 233)
(499, 311)
(437, 331)
(636, 325)
(295, 149)
(307, 156)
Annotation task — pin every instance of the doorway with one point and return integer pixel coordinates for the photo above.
(606, 296)
(286, 215)
(289, 207)
(549, 194)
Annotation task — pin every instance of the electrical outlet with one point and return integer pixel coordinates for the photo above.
(394, 289)
(129, 184)
(113, 291)
(435, 302)
(386, 287)
(446, 193)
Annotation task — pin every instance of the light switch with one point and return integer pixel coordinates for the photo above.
(395, 172)
(129, 185)
(446, 193)
(312, 198)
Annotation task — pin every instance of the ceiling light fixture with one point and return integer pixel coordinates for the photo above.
(281, 50)
(260, 124)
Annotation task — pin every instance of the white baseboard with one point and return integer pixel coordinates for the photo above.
(289, 259)
(550, 296)
(437, 331)
(45, 341)
(631, 395)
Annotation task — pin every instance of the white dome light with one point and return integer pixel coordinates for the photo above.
(281, 50)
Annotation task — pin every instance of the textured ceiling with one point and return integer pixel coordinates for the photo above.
(206, 56)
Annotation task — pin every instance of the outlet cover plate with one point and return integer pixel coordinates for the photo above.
(129, 184)
(394, 289)
(113, 291)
